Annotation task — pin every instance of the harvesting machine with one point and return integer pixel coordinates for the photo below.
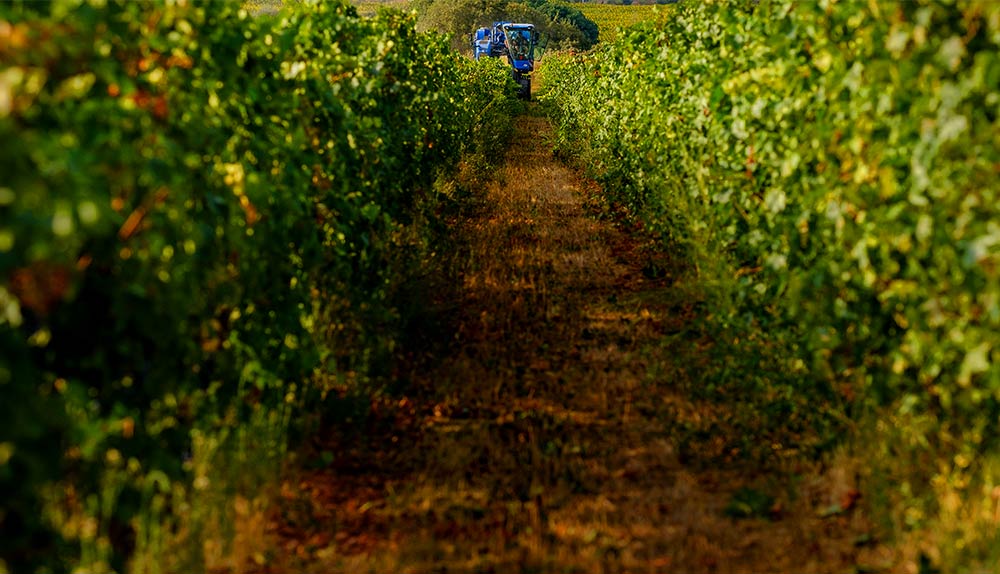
(516, 42)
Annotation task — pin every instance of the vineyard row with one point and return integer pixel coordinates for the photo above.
(828, 173)
(206, 221)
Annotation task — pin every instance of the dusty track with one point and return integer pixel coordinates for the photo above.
(538, 440)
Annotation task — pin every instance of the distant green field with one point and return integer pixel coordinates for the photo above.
(611, 18)
(256, 6)
(371, 7)
(368, 8)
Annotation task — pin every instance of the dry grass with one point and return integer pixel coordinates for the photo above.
(534, 436)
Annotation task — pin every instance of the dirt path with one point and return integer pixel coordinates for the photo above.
(538, 441)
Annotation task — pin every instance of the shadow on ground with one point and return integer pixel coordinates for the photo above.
(537, 439)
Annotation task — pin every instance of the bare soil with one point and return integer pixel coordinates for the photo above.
(535, 431)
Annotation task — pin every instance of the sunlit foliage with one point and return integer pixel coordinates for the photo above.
(829, 172)
(205, 218)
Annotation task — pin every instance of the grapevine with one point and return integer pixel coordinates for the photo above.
(205, 218)
(828, 174)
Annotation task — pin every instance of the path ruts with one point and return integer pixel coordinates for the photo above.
(537, 440)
